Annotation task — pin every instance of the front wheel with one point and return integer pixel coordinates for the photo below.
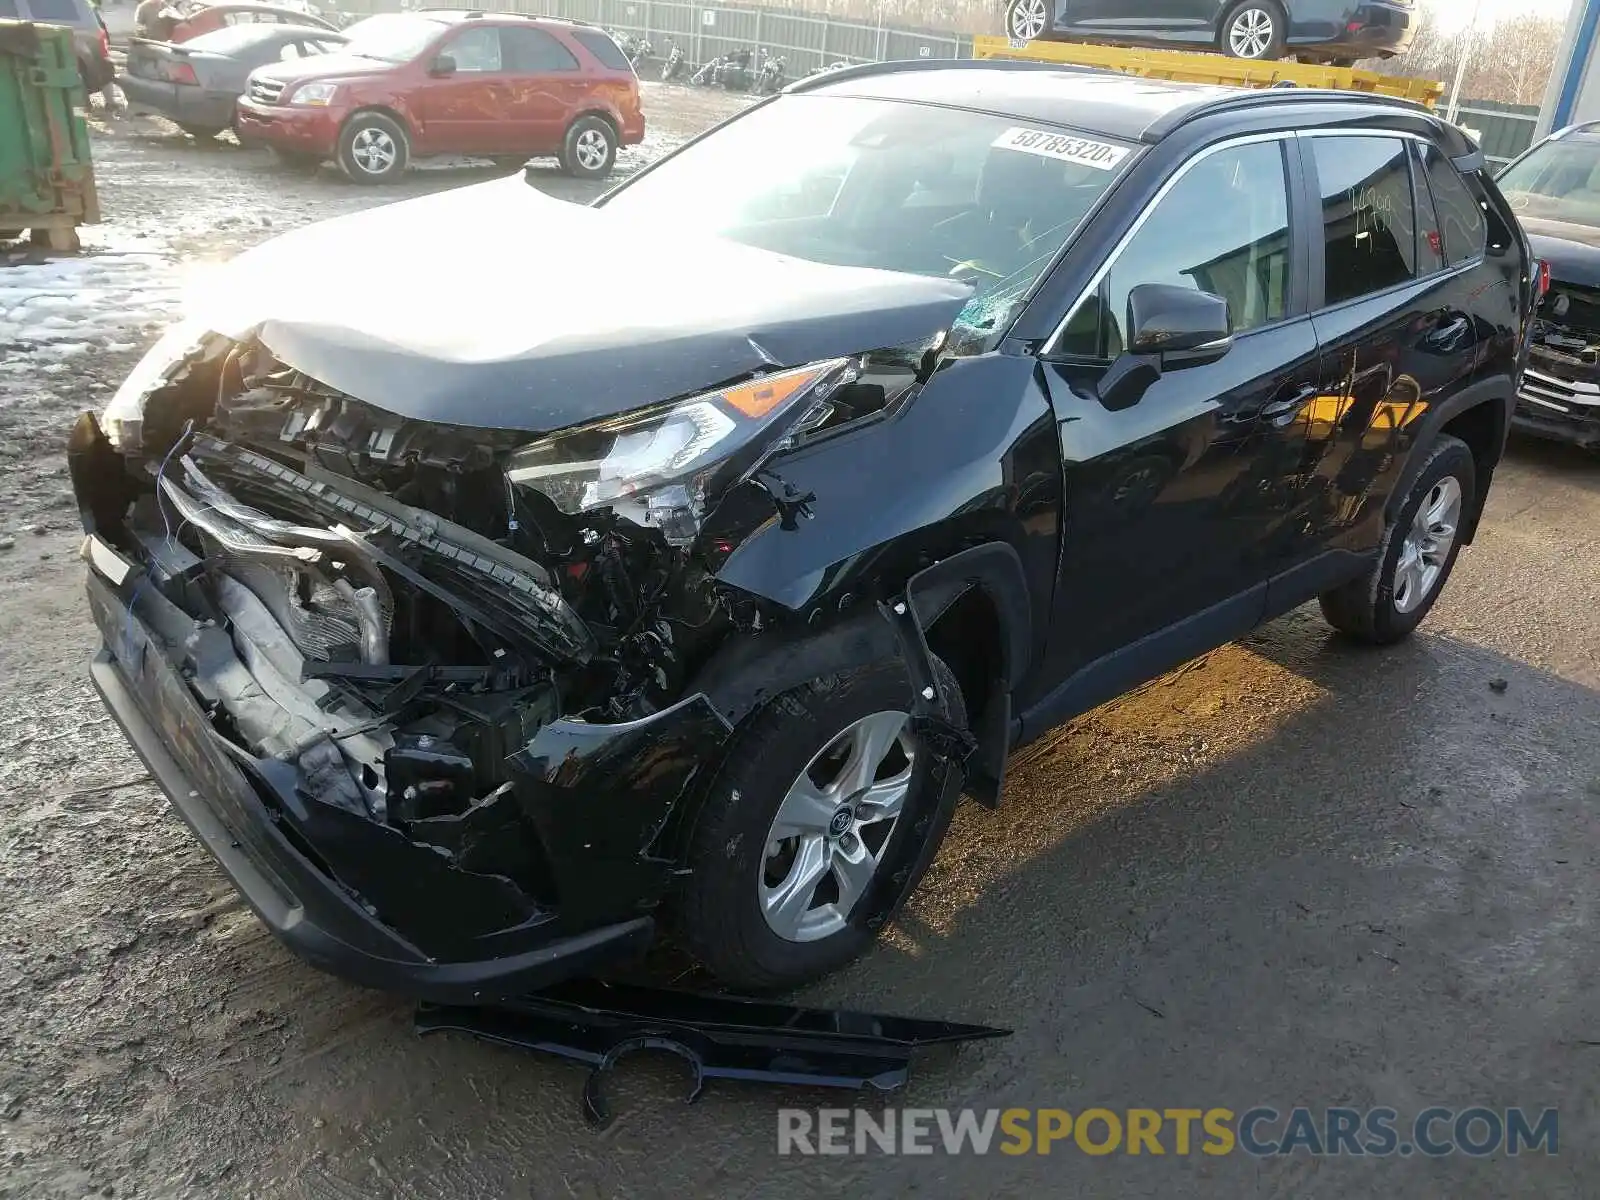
(373, 149)
(590, 148)
(816, 828)
(1253, 30)
(1027, 19)
(1418, 553)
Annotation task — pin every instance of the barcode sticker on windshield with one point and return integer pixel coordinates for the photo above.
(1100, 155)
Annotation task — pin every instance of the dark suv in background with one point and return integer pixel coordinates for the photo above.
(90, 41)
(1333, 31)
(1555, 190)
(481, 615)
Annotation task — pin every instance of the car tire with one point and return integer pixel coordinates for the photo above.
(1414, 563)
(1028, 19)
(373, 148)
(739, 866)
(589, 149)
(1254, 30)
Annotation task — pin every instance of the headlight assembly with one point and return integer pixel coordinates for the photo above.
(123, 419)
(659, 465)
(318, 95)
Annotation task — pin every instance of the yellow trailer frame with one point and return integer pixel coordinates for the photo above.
(1210, 68)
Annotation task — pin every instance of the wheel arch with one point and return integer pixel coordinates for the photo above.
(1480, 415)
(407, 127)
(604, 114)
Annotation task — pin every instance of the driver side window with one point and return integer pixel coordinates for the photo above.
(475, 50)
(1223, 229)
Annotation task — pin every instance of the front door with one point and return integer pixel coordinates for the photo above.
(1172, 508)
(464, 108)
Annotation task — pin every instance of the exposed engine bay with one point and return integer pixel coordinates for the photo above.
(384, 607)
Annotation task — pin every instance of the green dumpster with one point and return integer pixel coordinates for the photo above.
(46, 177)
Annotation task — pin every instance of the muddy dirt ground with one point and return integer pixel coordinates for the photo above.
(1290, 873)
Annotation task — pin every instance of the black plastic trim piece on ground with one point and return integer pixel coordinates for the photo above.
(721, 1037)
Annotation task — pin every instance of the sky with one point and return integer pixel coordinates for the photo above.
(1453, 14)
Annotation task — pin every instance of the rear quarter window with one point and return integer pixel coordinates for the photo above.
(605, 51)
(1462, 225)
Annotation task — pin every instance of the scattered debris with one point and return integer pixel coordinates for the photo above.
(1499, 686)
(721, 1037)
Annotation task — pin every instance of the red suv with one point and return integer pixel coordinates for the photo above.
(419, 83)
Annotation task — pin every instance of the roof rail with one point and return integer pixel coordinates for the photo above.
(1165, 126)
(906, 66)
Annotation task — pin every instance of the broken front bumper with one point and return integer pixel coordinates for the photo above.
(357, 898)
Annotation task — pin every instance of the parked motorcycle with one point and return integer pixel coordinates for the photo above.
(675, 64)
(706, 76)
(772, 76)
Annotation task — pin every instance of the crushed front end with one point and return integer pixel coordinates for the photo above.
(434, 728)
(1560, 393)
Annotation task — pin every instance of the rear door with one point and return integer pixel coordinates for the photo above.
(543, 84)
(1394, 316)
(1148, 18)
(465, 110)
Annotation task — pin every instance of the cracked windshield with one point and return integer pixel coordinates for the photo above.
(889, 185)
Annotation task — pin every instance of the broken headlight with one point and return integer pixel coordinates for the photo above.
(123, 419)
(657, 467)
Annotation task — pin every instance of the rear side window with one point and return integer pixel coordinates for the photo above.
(63, 11)
(1369, 219)
(1461, 223)
(602, 47)
(535, 51)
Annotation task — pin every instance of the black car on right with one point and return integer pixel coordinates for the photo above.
(1333, 31)
(1555, 191)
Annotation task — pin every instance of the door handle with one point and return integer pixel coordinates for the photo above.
(1281, 413)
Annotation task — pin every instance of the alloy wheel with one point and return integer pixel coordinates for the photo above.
(373, 151)
(591, 149)
(1028, 19)
(1250, 35)
(1426, 550)
(828, 836)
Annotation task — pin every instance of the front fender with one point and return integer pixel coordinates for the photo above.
(973, 460)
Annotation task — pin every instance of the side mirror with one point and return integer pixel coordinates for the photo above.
(443, 65)
(1169, 328)
(1184, 327)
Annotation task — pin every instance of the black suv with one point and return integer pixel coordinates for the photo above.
(481, 614)
(1332, 31)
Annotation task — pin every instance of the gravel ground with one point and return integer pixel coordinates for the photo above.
(1290, 873)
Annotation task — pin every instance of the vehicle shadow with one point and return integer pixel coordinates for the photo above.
(1364, 898)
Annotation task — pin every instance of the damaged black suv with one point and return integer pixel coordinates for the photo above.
(484, 616)
(1555, 191)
